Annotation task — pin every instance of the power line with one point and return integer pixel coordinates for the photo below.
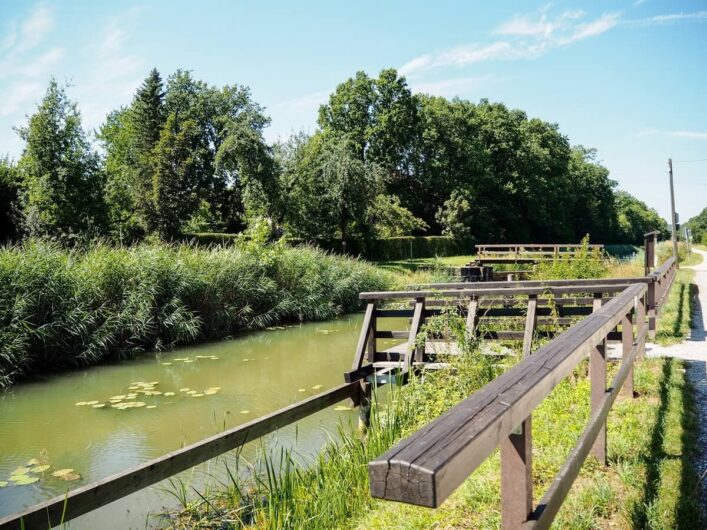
(688, 161)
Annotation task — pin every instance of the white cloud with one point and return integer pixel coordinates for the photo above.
(451, 87)
(697, 16)
(43, 64)
(689, 134)
(648, 131)
(18, 94)
(529, 36)
(33, 30)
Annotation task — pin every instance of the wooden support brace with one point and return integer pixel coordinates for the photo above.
(472, 317)
(627, 344)
(413, 350)
(640, 324)
(516, 477)
(371, 345)
(530, 321)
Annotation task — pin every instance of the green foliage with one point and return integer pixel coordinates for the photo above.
(390, 219)
(456, 216)
(10, 210)
(62, 175)
(585, 263)
(61, 309)
(635, 219)
(698, 226)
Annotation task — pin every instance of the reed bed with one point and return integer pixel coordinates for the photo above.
(71, 308)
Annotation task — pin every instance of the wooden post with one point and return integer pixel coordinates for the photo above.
(597, 379)
(530, 321)
(364, 405)
(627, 344)
(640, 324)
(516, 477)
(472, 317)
(650, 300)
(371, 345)
(649, 251)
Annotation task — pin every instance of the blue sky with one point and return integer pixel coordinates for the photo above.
(629, 78)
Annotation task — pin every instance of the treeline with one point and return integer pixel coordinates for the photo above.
(698, 227)
(187, 157)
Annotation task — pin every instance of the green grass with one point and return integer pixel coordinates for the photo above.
(675, 317)
(413, 265)
(61, 309)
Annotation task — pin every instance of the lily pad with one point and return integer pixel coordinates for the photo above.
(188, 361)
(168, 393)
(99, 406)
(19, 477)
(3, 483)
(40, 469)
(166, 364)
(81, 403)
(191, 392)
(302, 390)
(117, 398)
(151, 407)
(245, 412)
(184, 389)
(62, 472)
(340, 408)
(317, 387)
(197, 395)
(25, 480)
(71, 476)
(91, 402)
(33, 462)
(22, 470)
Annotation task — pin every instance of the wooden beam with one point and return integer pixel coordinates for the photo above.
(363, 336)
(412, 349)
(517, 477)
(472, 319)
(530, 322)
(597, 381)
(626, 346)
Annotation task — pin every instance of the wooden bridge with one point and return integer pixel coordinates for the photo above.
(428, 466)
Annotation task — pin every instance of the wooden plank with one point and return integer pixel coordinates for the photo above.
(533, 283)
(640, 324)
(426, 467)
(626, 346)
(549, 505)
(471, 316)
(393, 313)
(371, 344)
(359, 373)
(87, 498)
(530, 322)
(363, 336)
(413, 351)
(517, 477)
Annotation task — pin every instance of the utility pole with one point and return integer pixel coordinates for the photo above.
(687, 240)
(672, 210)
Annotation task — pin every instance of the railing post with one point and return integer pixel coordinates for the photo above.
(472, 317)
(364, 405)
(640, 325)
(627, 344)
(420, 350)
(650, 299)
(530, 321)
(516, 477)
(371, 345)
(597, 380)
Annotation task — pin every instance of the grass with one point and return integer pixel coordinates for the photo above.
(413, 265)
(61, 309)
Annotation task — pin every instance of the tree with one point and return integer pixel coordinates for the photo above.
(176, 168)
(698, 226)
(10, 209)
(635, 219)
(389, 219)
(60, 171)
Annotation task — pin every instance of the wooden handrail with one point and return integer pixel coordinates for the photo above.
(428, 466)
(568, 289)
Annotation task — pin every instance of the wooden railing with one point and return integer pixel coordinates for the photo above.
(534, 249)
(425, 468)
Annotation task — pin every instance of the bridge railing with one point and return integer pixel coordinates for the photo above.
(425, 468)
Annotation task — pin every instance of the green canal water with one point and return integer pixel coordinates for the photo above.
(248, 376)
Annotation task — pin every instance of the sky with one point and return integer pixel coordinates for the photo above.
(628, 78)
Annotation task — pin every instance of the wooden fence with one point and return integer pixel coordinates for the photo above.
(428, 466)
(359, 381)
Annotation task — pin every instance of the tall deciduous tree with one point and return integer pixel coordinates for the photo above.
(62, 175)
(10, 210)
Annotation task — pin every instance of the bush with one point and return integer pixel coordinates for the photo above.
(62, 309)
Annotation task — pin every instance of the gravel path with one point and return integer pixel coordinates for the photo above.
(694, 352)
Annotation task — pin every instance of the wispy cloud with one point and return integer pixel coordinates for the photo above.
(669, 18)
(697, 135)
(648, 131)
(18, 95)
(460, 86)
(528, 36)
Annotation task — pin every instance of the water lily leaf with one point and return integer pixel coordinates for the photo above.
(151, 407)
(153, 383)
(245, 360)
(80, 403)
(99, 406)
(3, 483)
(22, 470)
(214, 358)
(25, 480)
(340, 408)
(18, 477)
(209, 392)
(191, 392)
(184, 390)
(197, 395)
(188, 361)
(62, 472)
(33, 462)
(117, 398)
(91, 402)
(245, 412)
(317, 387)
(302, 390)
(169, 393)
(166, 364)
(40, 469)
(71, 476)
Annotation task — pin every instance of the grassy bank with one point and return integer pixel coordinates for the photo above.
(62, 309)
(648, 484)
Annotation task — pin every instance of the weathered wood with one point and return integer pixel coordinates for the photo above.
(532, 283)
(597, 381)
(530, 322)
(472, 319)
(626, 345)
(413, 350)
(396, 313)
(549, 505)
(640, 324)
(372, 344)
(84, 499)
(363, 336)
(426, 467)
(364, 405)
(591, 288)
(517, 477)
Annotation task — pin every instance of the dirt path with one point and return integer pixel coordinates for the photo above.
(693, 351)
